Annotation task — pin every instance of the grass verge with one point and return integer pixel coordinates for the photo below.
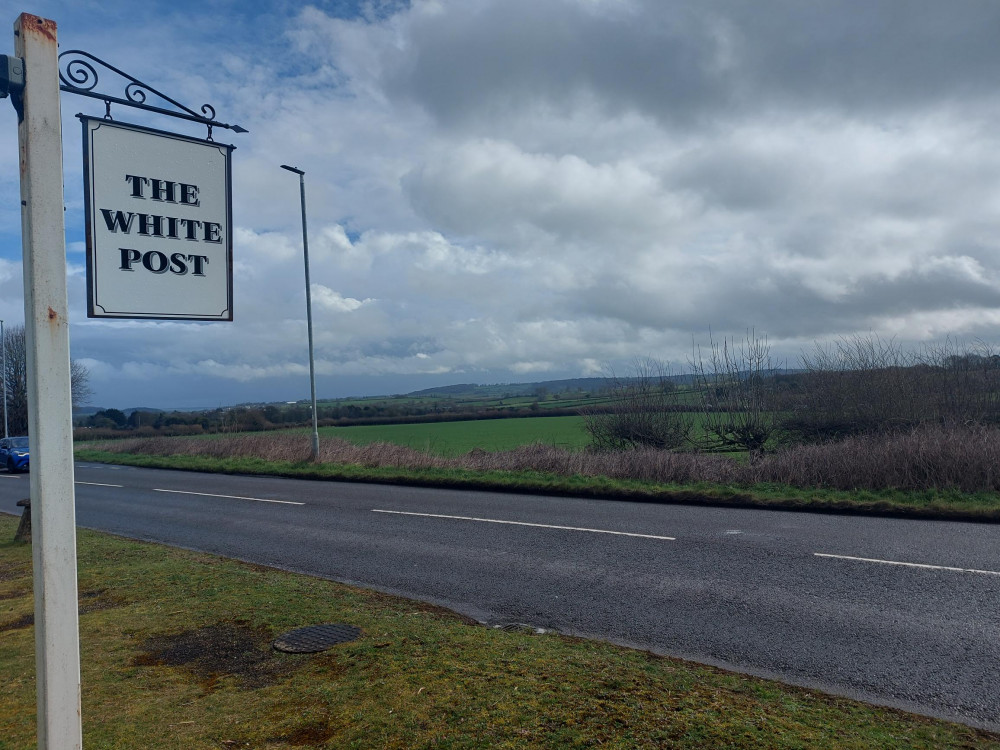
(175, 654)
(930, 504)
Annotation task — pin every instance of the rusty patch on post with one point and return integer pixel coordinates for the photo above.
(53, 315)
(44, 27)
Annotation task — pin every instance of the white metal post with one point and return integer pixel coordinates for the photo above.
(50, 416)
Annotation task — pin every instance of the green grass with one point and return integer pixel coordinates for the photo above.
(175, 656)
(455, 438)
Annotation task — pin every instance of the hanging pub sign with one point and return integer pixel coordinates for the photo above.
(159, 223)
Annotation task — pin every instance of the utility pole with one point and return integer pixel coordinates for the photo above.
(309, 310)
(50, 414)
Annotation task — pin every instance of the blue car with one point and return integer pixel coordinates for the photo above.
(14, 453)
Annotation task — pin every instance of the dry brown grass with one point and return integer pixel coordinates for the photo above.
(930, 457)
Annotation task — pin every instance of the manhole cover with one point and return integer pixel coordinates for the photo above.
(315, 638)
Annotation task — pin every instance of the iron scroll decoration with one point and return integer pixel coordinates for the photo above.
(78, 75)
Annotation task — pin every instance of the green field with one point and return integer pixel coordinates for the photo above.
(454, 438)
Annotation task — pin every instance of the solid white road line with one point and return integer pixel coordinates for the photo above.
(99, 484)
(231, 497)
(9, 476)
(910, 565)
(523, 523)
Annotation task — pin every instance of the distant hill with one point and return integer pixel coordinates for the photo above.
(510, 390)
(571, 385)
(85, 411)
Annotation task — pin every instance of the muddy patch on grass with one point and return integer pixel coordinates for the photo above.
(311, 734)
(14, 594)
(13, 572)
(95, 600)
(90, 601)
(225, 649)
(21, 622)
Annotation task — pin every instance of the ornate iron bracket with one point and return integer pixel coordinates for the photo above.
(79, 76)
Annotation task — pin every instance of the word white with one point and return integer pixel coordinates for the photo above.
(151, 225)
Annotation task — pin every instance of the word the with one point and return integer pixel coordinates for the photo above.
(164, 190)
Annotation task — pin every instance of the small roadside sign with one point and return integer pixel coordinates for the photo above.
(159, 223)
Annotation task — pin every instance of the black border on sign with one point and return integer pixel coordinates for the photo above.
(92, 306)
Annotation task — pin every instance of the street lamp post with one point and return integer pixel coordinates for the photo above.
(309, 315)
(3, 377)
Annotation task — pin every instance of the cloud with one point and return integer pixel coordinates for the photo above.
(692, 63)
(334, 301)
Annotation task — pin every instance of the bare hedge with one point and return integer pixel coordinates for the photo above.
(927, 457)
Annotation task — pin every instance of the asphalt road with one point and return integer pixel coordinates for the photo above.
(903, 613)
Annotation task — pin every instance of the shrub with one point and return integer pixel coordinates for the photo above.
(643, 412)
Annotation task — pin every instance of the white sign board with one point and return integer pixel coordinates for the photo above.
(159, 224)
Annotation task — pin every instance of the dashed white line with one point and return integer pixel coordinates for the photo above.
(231, 497)
(9, 476)
(99, 484)
(524, 523)
(910, 565)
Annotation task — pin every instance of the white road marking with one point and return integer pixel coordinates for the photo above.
(523, 523)
(99, 484)
(911, 565)
(9, 476)
(231, 497)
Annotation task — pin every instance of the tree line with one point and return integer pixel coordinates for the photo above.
(740, 400)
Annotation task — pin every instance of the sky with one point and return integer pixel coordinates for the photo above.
(522, 190)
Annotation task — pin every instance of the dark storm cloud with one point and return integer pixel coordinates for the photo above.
(782, 304)
(695, 61)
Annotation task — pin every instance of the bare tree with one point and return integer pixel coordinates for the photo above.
(16, 380)
(737, 383)
(79, 379)
(644, 411)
